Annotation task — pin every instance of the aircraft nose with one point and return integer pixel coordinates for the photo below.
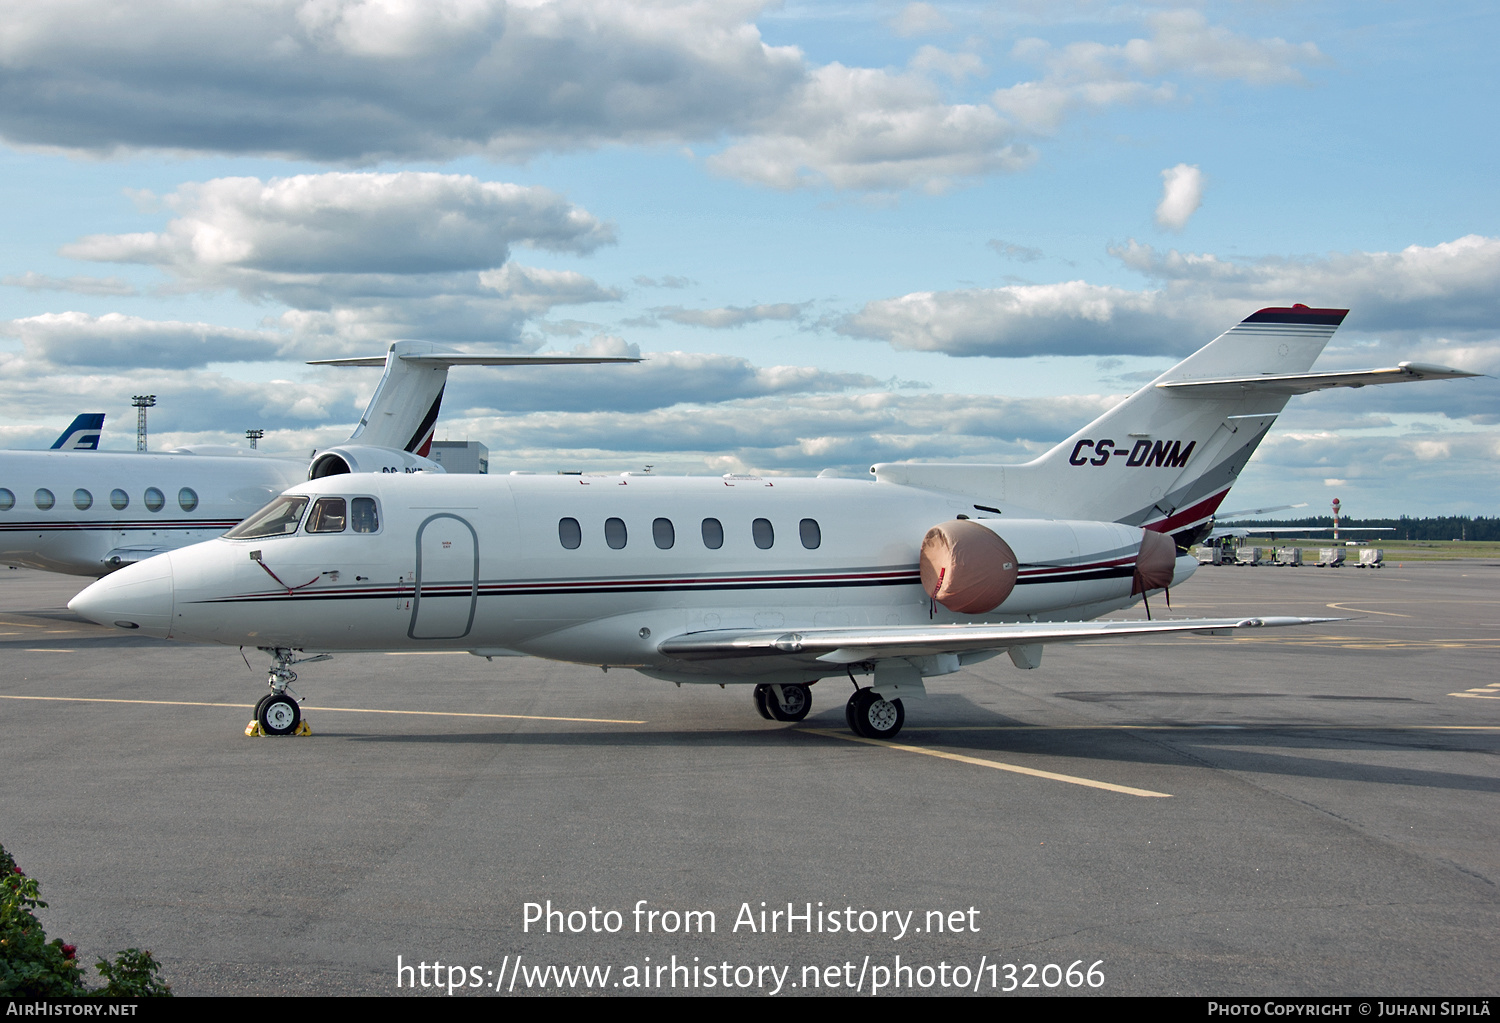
(136, 598)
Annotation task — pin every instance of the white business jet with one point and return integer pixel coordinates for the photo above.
(773, 581)
(84, 512)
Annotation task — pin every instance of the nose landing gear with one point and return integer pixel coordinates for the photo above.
(278, 712)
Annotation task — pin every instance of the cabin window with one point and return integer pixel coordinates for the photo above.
(44, 499)
(764, 535)
(663, 533)
(713, 534)
(570, 533)
(154, 499)
(812, 536)
(82, 499)
(614, 533)
(279, 518)
(7, 499)
(328, 516)
(187, 498)
(363, 516)
(118, 499)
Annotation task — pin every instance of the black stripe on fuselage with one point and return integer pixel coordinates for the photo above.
(462, 589)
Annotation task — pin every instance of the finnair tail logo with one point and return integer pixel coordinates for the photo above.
(1163, 453)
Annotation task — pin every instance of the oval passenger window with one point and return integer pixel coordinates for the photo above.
(7, 499)
(187, 499)
(663, 533)
(44, 499)
(82, 499)
(154, 499)
(614, 533)
(812, 536)
(764, 535)
(713, 534)
(569, 533)
(118, 499)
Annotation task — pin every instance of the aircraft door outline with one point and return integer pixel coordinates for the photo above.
(442, 619)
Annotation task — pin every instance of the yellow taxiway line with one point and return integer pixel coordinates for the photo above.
(346, 710)
(994, 765)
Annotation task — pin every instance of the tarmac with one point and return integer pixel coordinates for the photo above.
(1310, 811)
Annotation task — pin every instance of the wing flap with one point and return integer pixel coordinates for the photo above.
(851, 645)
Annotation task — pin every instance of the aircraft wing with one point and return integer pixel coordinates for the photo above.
(1245, 531)
(852, 645)
(1302, 383)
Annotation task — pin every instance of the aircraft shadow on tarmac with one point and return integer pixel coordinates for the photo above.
(949, 724)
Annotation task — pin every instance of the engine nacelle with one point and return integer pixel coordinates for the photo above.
(353, 458)
(1030, 566)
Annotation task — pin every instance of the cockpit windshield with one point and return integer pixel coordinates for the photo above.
(279, 518)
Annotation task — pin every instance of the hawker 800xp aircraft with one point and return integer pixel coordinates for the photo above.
(86, 512)
(776, 582)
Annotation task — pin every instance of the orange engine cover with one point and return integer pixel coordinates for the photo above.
(966, 567)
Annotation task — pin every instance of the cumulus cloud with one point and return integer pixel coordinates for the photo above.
(1181, 195)
(1070, 318)
(1090, 75)
(364, 81)
(114, 339)
(920, 19)
(359, 258)
(860, 128)
(1424, 298)
(732, 316)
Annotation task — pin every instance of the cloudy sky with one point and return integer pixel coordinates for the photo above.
(838, 232)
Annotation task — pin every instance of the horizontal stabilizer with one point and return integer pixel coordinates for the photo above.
(849, 646)
(479, 360)
(1302, 383)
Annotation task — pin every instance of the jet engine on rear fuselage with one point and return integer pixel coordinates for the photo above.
(1034, 566)
(358, 458)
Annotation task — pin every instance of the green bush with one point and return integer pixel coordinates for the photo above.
(33, 967)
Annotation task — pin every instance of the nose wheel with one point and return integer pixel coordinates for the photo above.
(278, 714)
(872, 716)
(783, 702)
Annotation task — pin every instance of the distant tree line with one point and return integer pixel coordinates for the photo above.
(1442, 527)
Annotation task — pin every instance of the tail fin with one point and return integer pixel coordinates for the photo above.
(1166, 456)
(403, 411)
(82, 433)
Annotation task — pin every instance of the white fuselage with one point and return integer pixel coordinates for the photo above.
(106, 501)
(489, 563)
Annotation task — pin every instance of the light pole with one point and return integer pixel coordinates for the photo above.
(141, 402)
(254, 436)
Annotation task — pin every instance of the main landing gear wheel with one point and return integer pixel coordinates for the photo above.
(762, 702)
(872, 716)
(793, 705)
(278, 714)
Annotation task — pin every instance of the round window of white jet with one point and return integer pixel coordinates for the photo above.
(154, 499)
(118, 499)
(569, 533)
(82, 499)
(764, 536)
(187, 499)
(7, 499)
(812, 536)
(663, 534)
(713, 534)
(45, 500)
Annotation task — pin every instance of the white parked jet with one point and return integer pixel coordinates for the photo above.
(778, 582)
(86, 512)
